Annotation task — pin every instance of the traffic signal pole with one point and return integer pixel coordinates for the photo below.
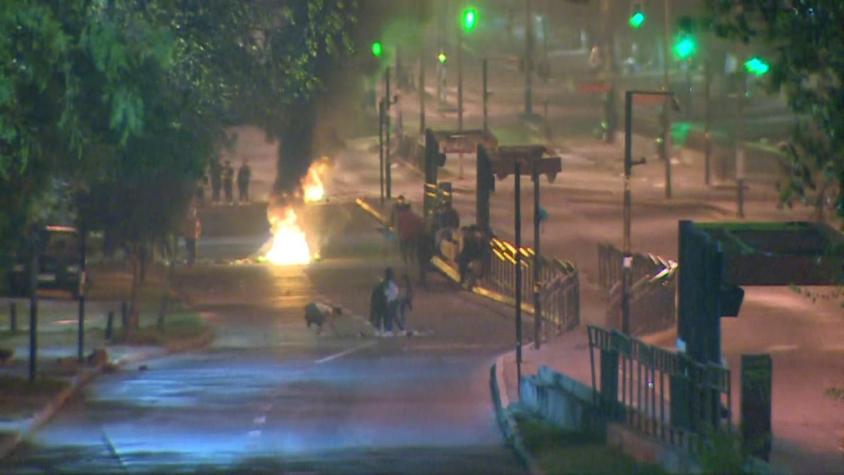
(665, 150)
(537, 260)
(381, 147)
(33, 304)
(627, 259)
(80, 350)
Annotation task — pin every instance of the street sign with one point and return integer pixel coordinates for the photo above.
(648, 100)
(594, 87)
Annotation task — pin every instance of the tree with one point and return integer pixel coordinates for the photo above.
(806, 64)
(127, 101)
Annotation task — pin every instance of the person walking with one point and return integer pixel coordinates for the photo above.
(191, 230)
(244, 173)
(391, 294)
(377, 306)
(215, 170)
(228, 181)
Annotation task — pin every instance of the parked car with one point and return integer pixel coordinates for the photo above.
(58, 263)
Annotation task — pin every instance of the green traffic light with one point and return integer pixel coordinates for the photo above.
(636, 20)
(757, 66)
(469, 19)
(442, 58)
(377, 49)
(685, 47)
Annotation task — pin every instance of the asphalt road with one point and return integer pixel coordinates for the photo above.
(270, 396)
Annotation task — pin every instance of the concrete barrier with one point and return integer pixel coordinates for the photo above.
(562, 401)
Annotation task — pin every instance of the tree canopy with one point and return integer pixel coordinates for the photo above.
(804, 40)
(119, 98)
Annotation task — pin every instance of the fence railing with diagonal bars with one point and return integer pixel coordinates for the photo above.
(559, 284)
(652, 302)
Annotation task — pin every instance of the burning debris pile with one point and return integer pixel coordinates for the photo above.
(289, 243)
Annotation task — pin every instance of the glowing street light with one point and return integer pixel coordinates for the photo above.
(637, 19)
(377, 49)
(757, 66)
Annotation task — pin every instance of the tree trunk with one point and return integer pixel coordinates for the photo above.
(134, 311)
(167, 282)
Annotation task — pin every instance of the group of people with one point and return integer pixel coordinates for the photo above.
(390, 303)
(222, 177)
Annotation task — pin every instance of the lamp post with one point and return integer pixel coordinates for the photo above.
(627, 262)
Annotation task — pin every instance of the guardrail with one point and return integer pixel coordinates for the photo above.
(559, 283)
(657, 392)
(652, 294)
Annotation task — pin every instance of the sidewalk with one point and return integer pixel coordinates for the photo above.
(24, 407)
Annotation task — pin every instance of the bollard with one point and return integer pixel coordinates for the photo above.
(740, 197)
(124, 316)
(109, 324)
(13, 317)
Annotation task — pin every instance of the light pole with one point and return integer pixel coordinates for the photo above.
(627, 262)
(528, 62)
(381, 146)
(422, 95)
(665, 150)
(485, 93)
(387, 102)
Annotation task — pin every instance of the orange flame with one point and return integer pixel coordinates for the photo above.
(312, 186)
(289, 243)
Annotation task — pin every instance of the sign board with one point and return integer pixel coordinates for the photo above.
(594, 87)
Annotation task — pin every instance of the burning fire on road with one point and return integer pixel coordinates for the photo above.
(289, 243)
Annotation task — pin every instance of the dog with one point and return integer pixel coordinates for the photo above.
(318, 313)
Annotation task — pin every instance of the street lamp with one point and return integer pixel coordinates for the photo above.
(627, 262)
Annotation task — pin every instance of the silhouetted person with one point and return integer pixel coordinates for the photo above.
(191, 230)
(215, 170)
(228, 181)
(244, 173)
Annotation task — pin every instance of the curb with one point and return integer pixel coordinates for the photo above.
(81, 380)
(509, 429)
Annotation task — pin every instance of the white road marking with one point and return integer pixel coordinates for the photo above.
(259, 420)
(254, 433)
(344, 353)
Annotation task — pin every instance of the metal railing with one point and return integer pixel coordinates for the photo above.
(559, 283)
(652, 302)
(658, 392)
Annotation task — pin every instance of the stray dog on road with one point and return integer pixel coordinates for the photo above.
(318, 313)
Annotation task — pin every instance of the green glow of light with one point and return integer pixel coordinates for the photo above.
(469, 19)
(377, 49)
(685, 47)
(757, 66)
(442, 58)
(637, 19)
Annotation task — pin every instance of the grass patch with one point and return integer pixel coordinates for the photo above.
(179, 324)
(20, 398)
(561, 452)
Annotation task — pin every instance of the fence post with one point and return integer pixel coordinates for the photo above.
(13, 317)
(109, 324)
(124, 316)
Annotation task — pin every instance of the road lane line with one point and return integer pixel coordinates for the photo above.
(344, 353)
(259, 420)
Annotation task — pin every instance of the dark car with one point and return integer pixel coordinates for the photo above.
(58, 263)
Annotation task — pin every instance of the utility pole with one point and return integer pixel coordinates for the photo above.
(707, 117)
(460, 79)
(381, 147)
(528, 61)
(666, 109)
(387, 102)
(83, 235)
(517, 190)
(537, 259)
(422, 94)
(739, 131)
(485, 93)
(627, 259)
(34, 264)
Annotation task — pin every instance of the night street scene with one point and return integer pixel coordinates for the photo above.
(421, 237)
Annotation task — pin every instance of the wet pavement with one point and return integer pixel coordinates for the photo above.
(271, 396)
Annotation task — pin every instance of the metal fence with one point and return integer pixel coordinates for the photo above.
(652, 302)
(657, 392)
(559, 283)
